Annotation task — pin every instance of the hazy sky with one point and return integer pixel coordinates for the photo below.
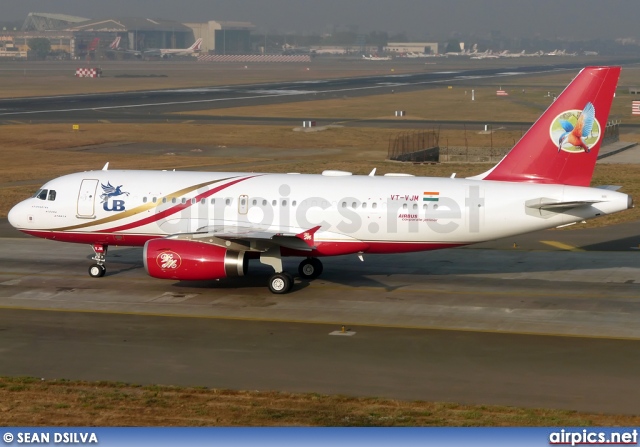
(436, 18)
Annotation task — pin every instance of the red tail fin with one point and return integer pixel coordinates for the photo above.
(94, 44)
(562, 146)
(115, 45)
(196, 45)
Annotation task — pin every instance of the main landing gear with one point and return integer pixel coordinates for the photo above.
(282, 282)
(310, 268)
(98, 269)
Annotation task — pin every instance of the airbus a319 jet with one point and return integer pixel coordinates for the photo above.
(208, 225)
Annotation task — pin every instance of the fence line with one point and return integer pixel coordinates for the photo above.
(414, 146)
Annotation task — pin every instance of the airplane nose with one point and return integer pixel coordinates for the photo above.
(14, 216)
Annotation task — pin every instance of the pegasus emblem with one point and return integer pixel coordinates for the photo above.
(111, 191)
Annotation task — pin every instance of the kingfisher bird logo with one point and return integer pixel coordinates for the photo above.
(110, 191)
(576, 131)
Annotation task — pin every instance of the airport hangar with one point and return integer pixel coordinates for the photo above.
(71, 36)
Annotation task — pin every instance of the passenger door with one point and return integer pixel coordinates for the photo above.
(87, 199)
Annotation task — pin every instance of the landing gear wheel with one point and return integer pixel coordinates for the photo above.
(310, 268)
(97, 270)
(280, 283)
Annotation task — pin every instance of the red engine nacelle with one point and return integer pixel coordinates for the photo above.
(191, 261)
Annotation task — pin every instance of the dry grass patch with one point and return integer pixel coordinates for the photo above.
(438, 103)
(60, 136)
(33, 402)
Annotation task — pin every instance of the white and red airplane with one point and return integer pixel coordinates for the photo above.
(166, 52)
(206, 225)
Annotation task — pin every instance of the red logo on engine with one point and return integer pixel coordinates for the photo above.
(169, 260)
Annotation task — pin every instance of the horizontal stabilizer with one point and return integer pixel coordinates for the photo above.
(549, 204)
(609, 187)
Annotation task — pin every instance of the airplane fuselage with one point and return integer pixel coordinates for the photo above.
(372, 214)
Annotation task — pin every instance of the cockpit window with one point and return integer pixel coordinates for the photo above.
(41, 194)
(52, 194)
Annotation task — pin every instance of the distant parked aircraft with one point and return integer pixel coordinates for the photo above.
(376, 58)
(167, 52)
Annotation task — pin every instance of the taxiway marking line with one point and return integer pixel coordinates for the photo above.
(561, 245)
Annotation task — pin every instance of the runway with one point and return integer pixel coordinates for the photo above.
(149, 105)
(534, 326)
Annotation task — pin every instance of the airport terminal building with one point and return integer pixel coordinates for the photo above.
(74, 37)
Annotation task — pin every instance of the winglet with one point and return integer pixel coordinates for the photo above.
(308, 236)
(106, 167)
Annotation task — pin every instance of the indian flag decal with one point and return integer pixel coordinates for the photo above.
(430, 196)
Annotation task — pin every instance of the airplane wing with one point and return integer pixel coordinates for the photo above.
(251, 238)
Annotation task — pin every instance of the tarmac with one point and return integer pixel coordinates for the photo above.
(552, 328)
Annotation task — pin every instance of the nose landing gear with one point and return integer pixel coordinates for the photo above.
(98, 269)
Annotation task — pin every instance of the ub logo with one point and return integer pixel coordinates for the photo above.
(110, 191)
